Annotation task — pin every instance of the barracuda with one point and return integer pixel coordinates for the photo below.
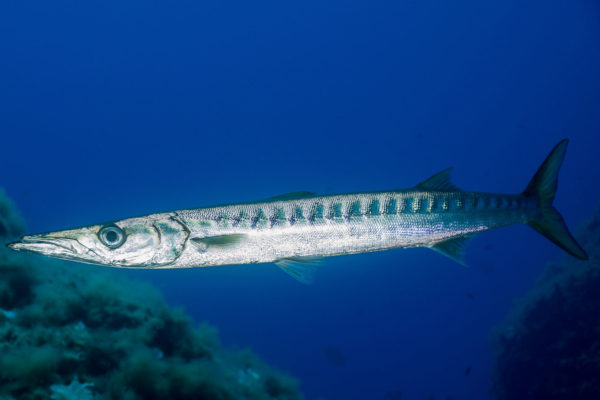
(295, 230)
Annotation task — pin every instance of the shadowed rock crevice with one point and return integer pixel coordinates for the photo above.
(549, 347)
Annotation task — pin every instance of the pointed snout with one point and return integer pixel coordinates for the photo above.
(52, 244)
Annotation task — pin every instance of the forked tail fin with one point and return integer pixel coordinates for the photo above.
(543, 186)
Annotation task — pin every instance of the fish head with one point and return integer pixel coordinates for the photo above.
(146, 242)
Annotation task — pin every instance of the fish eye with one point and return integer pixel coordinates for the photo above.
(112, 236)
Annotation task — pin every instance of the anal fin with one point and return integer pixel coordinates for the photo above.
(453, 248)
(300, 268)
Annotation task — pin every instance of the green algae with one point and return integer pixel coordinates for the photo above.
(68, 332)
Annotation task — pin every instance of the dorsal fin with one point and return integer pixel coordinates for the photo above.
(292, 196)
(439, 182)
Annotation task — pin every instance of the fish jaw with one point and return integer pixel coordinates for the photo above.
(59, 244)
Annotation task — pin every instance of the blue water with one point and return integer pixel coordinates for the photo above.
(110, 109)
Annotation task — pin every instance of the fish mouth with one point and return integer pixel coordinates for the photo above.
(50, 245)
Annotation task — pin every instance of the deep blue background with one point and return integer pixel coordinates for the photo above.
(110, 109)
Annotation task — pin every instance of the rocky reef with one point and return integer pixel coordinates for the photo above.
(549, 347)
(81, 332)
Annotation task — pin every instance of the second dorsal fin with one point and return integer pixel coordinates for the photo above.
(439, 182)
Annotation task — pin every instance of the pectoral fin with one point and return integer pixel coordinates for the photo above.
(220, 241)
(300, 268)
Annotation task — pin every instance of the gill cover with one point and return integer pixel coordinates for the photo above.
(144, 241)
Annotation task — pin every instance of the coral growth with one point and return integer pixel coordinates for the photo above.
(75, 391)
(80, 332)
(549, 348)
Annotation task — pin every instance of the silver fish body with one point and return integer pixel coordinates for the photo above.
(294, 230)
(345, 224)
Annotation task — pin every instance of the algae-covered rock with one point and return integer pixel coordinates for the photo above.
(11, 223)
(549, 347)
(70, 332)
